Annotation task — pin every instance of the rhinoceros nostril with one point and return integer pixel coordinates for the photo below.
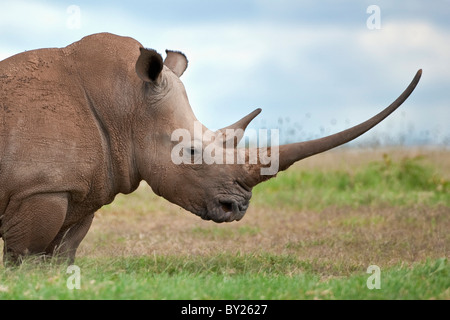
(226, 206)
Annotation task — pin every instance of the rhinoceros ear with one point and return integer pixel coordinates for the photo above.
(149, 65)
(176, 61)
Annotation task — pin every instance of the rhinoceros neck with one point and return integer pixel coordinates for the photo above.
(103, 65)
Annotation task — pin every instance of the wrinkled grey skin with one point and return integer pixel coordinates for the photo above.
(80, 124)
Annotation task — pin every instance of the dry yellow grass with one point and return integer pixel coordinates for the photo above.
(336, 241)
(348, 238)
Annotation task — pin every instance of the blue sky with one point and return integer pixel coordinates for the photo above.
(314, 67)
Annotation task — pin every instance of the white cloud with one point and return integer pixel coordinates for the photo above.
(29, 15)
(425, 44)
(340, 73)
(289, 68)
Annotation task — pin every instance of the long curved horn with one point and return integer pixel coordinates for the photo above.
(235, 131)
(291, 153)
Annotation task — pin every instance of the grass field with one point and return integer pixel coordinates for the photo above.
(311, 233)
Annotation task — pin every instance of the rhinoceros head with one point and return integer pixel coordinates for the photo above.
(172, 157)
(205, 171)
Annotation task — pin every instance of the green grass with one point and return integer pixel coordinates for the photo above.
(408, 182)
(219, 277)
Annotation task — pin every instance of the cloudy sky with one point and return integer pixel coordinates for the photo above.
(314, 67)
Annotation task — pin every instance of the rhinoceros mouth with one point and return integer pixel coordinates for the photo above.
(226, 210)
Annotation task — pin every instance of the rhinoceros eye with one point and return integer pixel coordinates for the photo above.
(190, 151)
(193, 152)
